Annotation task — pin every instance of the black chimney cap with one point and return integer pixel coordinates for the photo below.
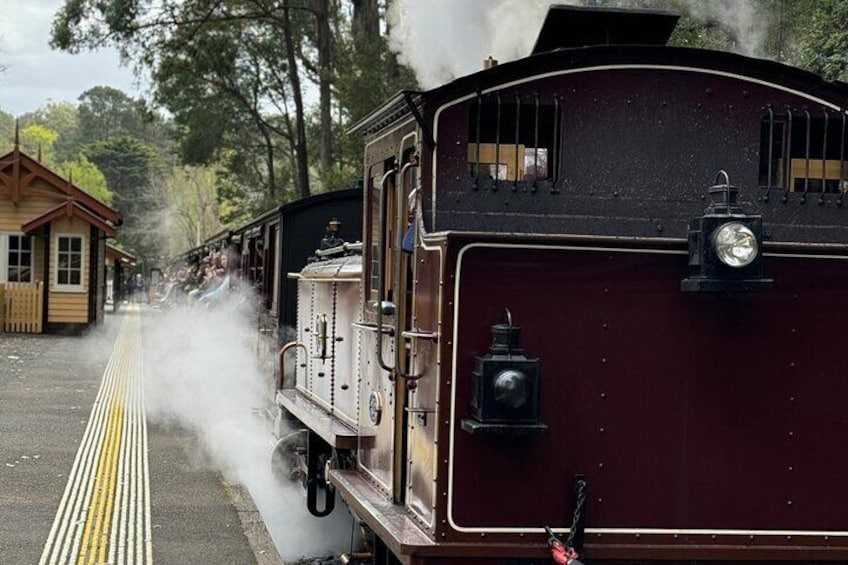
(583, 26)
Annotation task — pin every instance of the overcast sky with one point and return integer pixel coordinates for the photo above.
(36, 74)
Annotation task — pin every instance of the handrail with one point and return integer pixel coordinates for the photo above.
(400, 228)
(388, 330)
(282, 379)
(381, 279)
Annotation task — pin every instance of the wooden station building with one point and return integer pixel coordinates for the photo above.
(52, 249)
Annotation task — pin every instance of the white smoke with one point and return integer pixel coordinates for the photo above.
(442, 40)
(445, 39)
(202, 371)
(741, 18)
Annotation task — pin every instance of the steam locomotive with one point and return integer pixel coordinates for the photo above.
(597, 304)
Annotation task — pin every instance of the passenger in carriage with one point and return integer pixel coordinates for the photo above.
(220, 283)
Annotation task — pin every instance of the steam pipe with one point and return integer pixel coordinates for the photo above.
(282, 372)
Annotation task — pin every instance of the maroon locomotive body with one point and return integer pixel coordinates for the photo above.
(601, 290)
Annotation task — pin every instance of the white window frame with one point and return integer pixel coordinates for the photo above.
(68, 287)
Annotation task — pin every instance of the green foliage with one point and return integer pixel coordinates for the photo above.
(823, 48)
(87, 177)
(37, 140)
(134, 173)
(7, 132)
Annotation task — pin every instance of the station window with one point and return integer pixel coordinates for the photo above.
(18, 255)
(513, 139)
(69, 262)
(801, 152)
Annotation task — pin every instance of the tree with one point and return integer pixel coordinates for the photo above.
(823, 47)
(37, 141)
(193, 211)
(133, 172)
(87, 177)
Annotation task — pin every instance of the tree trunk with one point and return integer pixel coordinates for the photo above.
(366, 20)
(325, 78)
(302, 178)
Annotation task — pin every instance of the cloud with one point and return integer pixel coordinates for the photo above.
(36, 74)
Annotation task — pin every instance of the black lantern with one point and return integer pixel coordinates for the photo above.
(505, 387)
(725, 246)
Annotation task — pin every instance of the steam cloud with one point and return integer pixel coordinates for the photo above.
(202, 373)
(445, 39)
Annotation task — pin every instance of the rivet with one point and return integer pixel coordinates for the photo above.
(600, 465)
(603, 359)
(605, 326)
(599, 501)
(603, 395)
(790, 468)
(601, 430)
(791, 434)
(789, 502)
(792, 363)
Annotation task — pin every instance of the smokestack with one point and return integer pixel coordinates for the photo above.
(489, 63)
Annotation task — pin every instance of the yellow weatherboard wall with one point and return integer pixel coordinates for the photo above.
(64, 306)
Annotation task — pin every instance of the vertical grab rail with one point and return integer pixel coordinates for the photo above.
(807, 156)
(841, 160)
(400, 223)
(517, 130)
(824, 158)
(281, 379)
(787, 177)
(381, 277)
(769, 179)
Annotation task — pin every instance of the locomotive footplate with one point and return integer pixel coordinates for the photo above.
(332, 430)
(390, 522)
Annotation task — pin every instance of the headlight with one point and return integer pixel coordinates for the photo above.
(735, 244)
(511, 388)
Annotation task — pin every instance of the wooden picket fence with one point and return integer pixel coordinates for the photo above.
(21, 307)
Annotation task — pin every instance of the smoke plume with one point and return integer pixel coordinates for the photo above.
(202, 372)
(442, 40)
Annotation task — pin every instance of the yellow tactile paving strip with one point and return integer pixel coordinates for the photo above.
(104, 515)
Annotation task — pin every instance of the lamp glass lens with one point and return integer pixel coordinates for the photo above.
(511, 388)
(735, 244)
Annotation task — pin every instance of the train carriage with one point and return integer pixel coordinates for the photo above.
(600, 289)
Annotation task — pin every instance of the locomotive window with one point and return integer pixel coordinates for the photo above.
(375, 174)
(513, 139)
(808, 150)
